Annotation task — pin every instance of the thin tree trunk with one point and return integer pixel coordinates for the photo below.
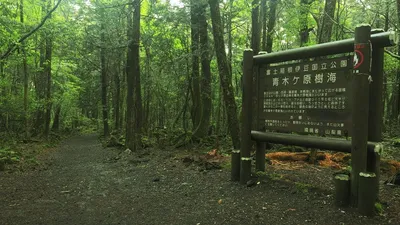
(56, 122)
(219, 109)
(122, 105)
(130, 127)
(271, 25)
(3, 93)
(48, 59)
(184, 108)
(255, 26)
(136, 67)
(40, 83)
(104, 82)
(184, 119)
(230, 39)
(117, 97)
(147, 89)
(396, 86)
(337, 19)
(224, 73)
(25, 74)
(385, 86)
(263, 17)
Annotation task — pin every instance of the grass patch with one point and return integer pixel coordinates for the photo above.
(379, 208)
(226, 164)
(275, 176)
(303, 187)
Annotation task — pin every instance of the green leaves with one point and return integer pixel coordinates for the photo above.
(8, 156)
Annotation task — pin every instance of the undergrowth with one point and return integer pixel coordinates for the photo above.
(19, 154)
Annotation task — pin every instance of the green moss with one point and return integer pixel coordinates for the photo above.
(275, 176)
(379, 208)
(303, 187)
(261, 173)
(226, 165)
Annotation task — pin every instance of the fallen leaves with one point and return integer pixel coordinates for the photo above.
(209, 161)
(324, 159)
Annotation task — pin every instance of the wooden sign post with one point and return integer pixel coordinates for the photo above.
(323, 97)
(247, 98)
(360, 90)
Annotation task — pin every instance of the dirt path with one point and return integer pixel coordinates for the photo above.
(83, 186)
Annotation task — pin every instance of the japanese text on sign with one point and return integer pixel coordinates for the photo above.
(308, 97)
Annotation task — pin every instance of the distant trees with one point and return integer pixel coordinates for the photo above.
(130, 67)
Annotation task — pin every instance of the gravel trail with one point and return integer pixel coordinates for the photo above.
(88, 184)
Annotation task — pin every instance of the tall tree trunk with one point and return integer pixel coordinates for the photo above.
(47, 70)
(387, 10)
(104, 82)
(224, 73)
(25, 74)
(255, 26)
(230, 38)
(218, 116)
(147, 90)
(263, 16)
(385, 86)
(117, 95)
(325, 29)
(271, 25)
(395, 98)
(136, 67)
(40, 82)
(123, 94)
(130, 127)
(202, 128)
(133, 103)
(195, 41)
(184, 117)
(3, 92)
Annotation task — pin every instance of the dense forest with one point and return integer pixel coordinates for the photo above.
(133, 68)
(132, 112)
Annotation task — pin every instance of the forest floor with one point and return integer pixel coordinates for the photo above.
(83, 183)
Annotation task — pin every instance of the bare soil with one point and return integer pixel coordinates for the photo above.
(84, 183)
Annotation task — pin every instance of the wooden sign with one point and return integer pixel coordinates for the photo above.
(311, 97)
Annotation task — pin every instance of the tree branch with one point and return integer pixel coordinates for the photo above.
(13, 46)
(392, 54)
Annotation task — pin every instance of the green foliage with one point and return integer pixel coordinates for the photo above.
(226, 164)
(8, 156)
(303, 187)
(261, 173)
(148, 142)
(379, 208)
(75, 28)
(275, 176)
